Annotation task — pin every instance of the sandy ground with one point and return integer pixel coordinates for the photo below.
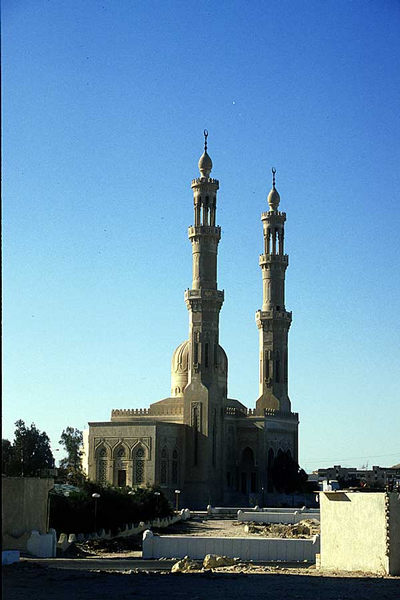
(100, 571)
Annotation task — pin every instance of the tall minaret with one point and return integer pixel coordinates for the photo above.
(205, 393)
(273, 321)
(204, 301)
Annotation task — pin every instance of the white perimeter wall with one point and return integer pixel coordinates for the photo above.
(266, 549)
(276, 517)
(355, 531)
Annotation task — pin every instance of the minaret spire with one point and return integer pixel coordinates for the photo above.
(273, 321)
(204, 301)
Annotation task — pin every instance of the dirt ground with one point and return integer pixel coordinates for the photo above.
(32, 581)
(98, 570)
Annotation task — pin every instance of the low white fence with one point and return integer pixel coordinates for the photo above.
(257, 549)
(276, 517)
(287, 510)
(129, 529)
(226, 510)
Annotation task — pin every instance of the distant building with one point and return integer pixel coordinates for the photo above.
(199, 441)
(375, 477)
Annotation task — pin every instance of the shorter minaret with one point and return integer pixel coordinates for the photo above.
(273, 321)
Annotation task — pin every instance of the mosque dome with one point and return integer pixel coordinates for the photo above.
(180, 369)
(222, 361)
(205, 164)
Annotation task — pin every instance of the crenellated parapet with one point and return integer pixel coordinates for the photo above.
(275, 215)
(271, 413)
(281, 414)
(234, 411)
(156, 410)
(203, 181)
(129, 412)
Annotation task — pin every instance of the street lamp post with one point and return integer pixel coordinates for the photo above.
(157, 495)
(177, 492)
(96, 497)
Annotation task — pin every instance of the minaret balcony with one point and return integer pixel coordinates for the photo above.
(273, 314)
(203, 294)
(276, 259)
(273, 216)
(204, 230)
(204, 181)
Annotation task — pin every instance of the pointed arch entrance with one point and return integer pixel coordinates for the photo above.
(248, 472)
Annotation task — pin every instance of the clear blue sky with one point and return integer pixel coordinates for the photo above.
(104, 104)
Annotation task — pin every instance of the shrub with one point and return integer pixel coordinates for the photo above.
(115, 507)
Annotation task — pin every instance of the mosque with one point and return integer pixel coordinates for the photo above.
(211, 448)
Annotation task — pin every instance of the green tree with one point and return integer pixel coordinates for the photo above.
(7, 454)
(115, 507)
(72, 439)
(29, 453)
(71, 466)
(286, 474)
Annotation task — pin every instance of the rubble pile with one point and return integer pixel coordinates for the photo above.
(302, 530)
(100, 547)
(211, 561)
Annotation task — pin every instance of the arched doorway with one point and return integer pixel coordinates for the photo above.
(270, 485)
(248, 473)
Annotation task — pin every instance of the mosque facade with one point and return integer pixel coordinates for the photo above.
(211, 448)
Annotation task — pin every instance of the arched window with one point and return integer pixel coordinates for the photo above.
(138, 467)
(164, 467)
(248, 476)
(175, 467)
(120, 452)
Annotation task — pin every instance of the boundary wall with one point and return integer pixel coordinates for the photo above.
(277, 517)
(257, 549)
(360, 531)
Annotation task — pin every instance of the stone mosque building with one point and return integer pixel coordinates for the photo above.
(212, 448)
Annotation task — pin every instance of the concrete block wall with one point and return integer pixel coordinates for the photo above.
(266, 549)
